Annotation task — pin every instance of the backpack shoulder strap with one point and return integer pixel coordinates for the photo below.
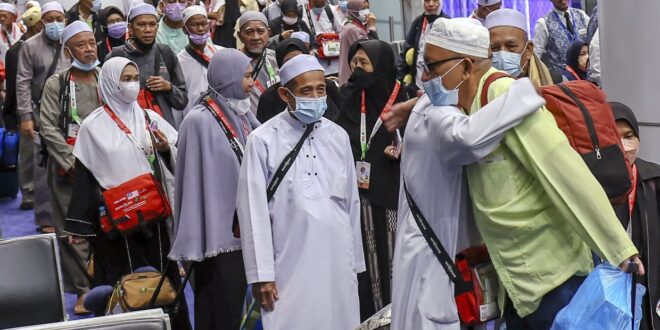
(490, 80)
(331, 16)
(168, 57)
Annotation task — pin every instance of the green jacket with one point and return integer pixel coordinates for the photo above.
(540, 210)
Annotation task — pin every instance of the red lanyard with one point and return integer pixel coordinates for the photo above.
(569, 69)
(107, 41)
(633, 194)
(203, 55)
(5, 36)
(361, 26)
(128, 132)
(216, 109)
(364, 143)
(424, 24)
(259, 86)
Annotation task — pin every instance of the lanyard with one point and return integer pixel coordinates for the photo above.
(364, 143)
(571, 71)
(227, 128)
(571, 36)
(633, 194)
(5, 36)
(424, 24)
(107, 41)
(73, 104)
(150, 153)
(259, 86)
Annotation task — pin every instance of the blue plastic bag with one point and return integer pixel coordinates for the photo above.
(603, 302)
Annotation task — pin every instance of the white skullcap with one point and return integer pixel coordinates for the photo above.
(297, 66)
(52, 6)
(300, 35)
(249, 16)
(460, 36)
(73, 29)
(141, 9)
(506, 17)
(8, 7)
(488, 2)
(192, 11)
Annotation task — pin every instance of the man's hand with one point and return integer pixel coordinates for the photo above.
(27, 128)
(158, 84)
(73, 240)
(398, 116)
(286, 34)
(266, 294)
(625, 266)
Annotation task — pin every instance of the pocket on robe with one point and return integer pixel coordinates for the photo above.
(311, 188)
(436, 296)
(338, 191)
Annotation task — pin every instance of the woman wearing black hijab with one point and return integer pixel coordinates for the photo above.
(270, 103)
(577, 61)
(111, 31)
(371, 87)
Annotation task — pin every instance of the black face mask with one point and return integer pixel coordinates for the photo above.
(363, 79)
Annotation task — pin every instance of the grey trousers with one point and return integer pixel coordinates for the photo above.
(33, 180)
(73, 257)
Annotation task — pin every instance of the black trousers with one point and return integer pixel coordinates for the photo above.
(220, 287)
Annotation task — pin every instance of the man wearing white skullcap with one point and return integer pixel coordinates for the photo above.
(39, 57)
(484, 8)
(10, 32)
(253, 34)
(162, 85)
(513, 52)
(525, 198)
(440, 139)
(195, 57)
(302, 241)
(60, 120)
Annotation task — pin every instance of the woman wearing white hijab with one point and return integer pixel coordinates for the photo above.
(106, 157)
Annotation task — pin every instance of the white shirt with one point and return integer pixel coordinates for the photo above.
(541, 31)
(307, 238)
(195, 76)
(438, 142)
(8, 39)
(594, 58)
(322, 24)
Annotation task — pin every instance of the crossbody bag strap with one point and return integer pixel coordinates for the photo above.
(460, 285)
(64, 98)
(287, 163)
(197, 56)
(217, 114)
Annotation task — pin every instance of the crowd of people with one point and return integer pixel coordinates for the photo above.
(301, 161)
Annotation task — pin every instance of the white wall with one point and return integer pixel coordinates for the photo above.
(629, 54)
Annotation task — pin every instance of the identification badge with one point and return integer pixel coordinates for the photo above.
(73, 130)
(363, 171)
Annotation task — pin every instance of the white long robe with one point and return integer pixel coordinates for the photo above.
(307, 239)
(438, 142)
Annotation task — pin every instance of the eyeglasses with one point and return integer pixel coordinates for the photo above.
(428, 67)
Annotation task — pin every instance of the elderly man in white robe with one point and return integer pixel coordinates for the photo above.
(302, 248)
(439, 140)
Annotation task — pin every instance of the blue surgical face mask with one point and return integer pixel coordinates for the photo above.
(343, 5)
(317, 11)
(438, 94)
(87, 67)
(54, 30)
(309, 110)
(508, 62)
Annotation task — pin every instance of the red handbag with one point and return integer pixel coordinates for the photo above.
(478, 305)
(328, 45)
(135, 204)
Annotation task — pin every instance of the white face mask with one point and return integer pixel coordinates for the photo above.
(631, 147)
(364, 15)
(289, 20)
(240, 107)
(128, 91)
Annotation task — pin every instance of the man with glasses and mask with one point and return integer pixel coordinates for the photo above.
(40, 57)
(513, 52)
(162, 85)
(302, 244)
(440, 139)
(69, 97)
(196, 56)
(537, 205)
(253, 33)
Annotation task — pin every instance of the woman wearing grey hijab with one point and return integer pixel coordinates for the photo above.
(211, 140)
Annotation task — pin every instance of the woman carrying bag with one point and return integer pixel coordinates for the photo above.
(124, 157)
